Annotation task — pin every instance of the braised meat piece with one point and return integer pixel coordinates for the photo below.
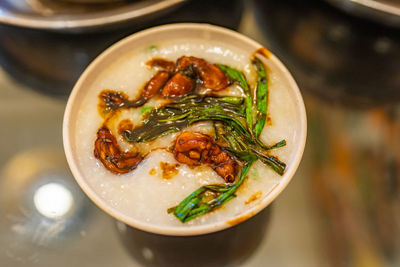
(184, 62)
(194, 148)
(107, 150)
(125, 125)
(211, 75)
(178, 85)
(223, 163)
(155, 84)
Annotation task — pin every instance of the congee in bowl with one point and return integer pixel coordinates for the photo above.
(184, 129)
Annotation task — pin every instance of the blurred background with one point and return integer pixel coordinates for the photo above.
(341, 209)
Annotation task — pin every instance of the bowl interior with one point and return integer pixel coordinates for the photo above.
(197, 31)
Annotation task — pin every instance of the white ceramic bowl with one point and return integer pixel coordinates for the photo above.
(150, 36)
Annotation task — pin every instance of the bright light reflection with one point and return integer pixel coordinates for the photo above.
(53, 200)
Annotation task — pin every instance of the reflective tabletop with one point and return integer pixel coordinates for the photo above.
(342, 208)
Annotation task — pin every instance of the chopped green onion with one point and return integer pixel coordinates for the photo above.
(261, 96)
(238, 77)
(145, 110)
(193, 206)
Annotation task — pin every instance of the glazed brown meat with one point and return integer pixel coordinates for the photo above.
(194, 148)
(155, 84)
(211, 75)
(178, 85)
(223, 164)
(185, 62)
(107, 150)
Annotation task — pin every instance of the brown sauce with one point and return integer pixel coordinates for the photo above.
(125, 125)
(263, 52)
(268, 121)
(239, 219)
(169, 170)
(253, 197)
(152, 171)
(162, 64)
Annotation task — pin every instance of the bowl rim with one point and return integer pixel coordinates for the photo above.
(195, 230)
